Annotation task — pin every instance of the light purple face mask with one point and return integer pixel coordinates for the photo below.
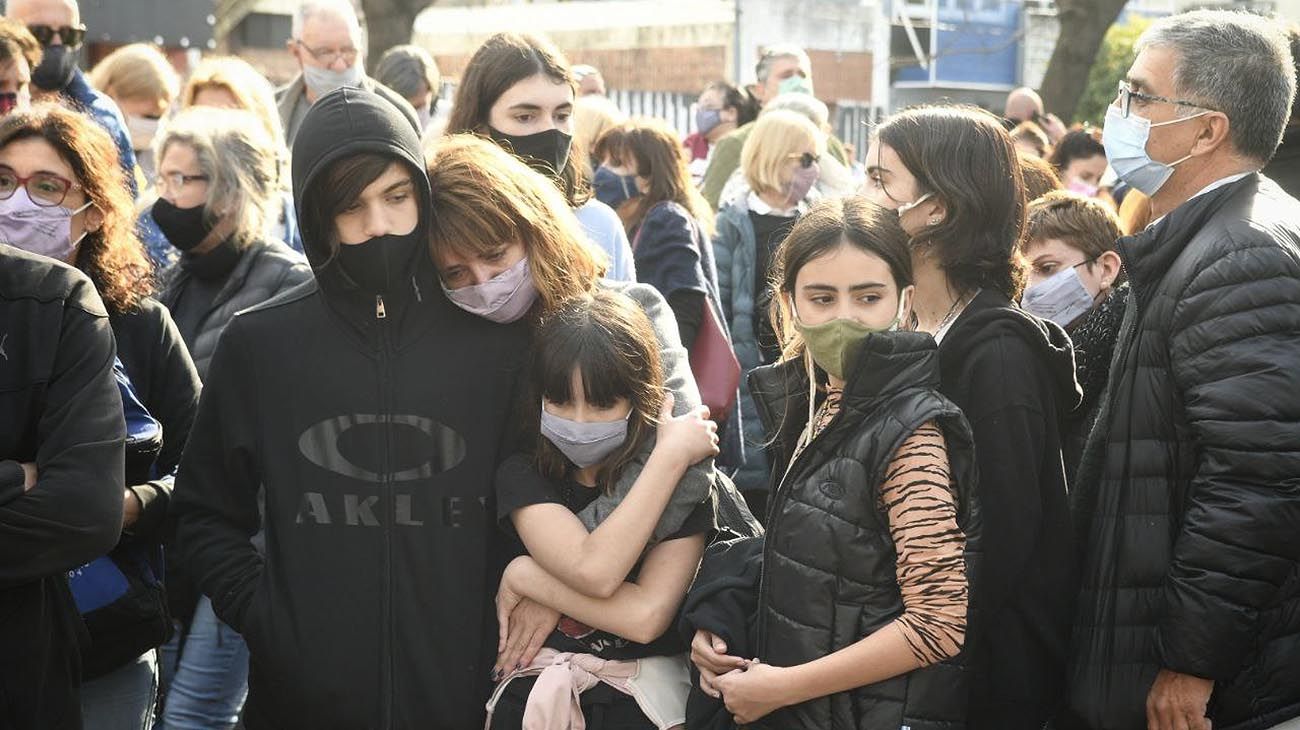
(46, 231)
(584, 443)
(803, 181)
(504, 298)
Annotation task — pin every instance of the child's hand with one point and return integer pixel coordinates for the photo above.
(689, 438)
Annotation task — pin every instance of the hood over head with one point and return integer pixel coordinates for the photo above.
(346, 122)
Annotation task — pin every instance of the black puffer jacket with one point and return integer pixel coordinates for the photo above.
(1188, 499)
(829, 563)
(265, 269)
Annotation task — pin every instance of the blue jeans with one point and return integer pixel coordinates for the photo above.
(124, 698)
(210, 682)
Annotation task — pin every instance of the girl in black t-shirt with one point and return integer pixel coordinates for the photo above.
(598, 374)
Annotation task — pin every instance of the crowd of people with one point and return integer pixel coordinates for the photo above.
(344, 406)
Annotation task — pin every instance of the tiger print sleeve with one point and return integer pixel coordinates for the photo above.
(919, 500)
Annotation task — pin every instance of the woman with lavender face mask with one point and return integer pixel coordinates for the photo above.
(596, 367)
(506, 249)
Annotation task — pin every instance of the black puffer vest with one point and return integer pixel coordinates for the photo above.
(829, 565)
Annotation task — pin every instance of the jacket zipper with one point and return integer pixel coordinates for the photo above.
(385, 498)
(775, 511)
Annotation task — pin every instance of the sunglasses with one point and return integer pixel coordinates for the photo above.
(68, 36)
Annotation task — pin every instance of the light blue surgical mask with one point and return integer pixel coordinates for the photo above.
(322, 81)
(1125, 140)
(585, 443)
(1061, 297)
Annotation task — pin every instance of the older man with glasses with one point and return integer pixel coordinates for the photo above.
(1187, 501)
(57, 26)
(329, 47)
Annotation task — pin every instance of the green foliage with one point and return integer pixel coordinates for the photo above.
(1113, 61)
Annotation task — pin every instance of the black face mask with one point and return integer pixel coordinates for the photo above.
(57, 68)
(183, 227)
(380, 263)
(546, 152)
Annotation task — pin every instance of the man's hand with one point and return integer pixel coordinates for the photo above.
(29, 475)
(1178, 702)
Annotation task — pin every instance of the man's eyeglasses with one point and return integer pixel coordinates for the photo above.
(1125, 96)
(807, 159)
(68, 35)
(327, 56)
(44, 188)
(174, 181)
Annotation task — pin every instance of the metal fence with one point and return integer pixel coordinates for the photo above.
(850, 121)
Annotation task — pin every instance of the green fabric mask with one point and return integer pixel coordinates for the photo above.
(832, 344)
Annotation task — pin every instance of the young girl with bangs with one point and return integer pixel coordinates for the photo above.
(611, 658)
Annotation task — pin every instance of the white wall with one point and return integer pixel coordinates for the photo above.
(825, 25)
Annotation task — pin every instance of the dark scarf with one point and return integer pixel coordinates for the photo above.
(1094, 338)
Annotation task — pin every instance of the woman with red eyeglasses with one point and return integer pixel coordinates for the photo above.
(781, 165)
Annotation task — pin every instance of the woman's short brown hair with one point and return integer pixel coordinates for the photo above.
(485, 197)
(962, 155)
(1080, 222)
(607, 338)
(502, 61)
(652, 150)
(111, 256)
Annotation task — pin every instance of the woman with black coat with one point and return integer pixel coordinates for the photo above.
(952, 175)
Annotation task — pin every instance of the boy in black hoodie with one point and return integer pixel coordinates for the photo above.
(366, 413)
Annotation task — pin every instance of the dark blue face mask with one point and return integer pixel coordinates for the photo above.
(613, 189)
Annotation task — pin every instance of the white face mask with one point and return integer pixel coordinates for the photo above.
(142, 130)
(322, 81)
(905, 207)
(1061, 297)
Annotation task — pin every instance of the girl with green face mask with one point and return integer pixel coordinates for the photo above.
(864, 576)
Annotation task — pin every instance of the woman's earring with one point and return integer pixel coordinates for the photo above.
(936, 220)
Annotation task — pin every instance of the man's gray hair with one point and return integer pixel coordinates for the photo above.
(311, 8)
(1236, 63)
(404, 68)
(772, 53)
(240, 160)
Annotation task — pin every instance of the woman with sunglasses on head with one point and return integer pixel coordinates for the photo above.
(953, 177)
(518, 91)
(62, 196)
(1076, 280)
(780, 163)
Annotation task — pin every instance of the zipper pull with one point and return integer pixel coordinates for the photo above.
(380, 312)
(416, 287)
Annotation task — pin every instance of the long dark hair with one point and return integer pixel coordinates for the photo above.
(502, 61)
(734, 98)
(829, 224)
(112, 256)
(963, 156)
(651, 148)
(607, 338)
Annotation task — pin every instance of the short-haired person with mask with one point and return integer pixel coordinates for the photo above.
(216, 196)
(1187, 502)
(720, 109)
(358, 421)
(56, 24)
(1075, 280)
(953, 177)
(19, 54)
(60, 160)
(518, 90)
(328, 44)
(782, 69)
(412, 72)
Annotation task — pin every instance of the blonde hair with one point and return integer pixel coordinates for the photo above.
(137, 71)
(240, 160)
(484, 197)
(251, 90)
(767, 153)
(592, 117)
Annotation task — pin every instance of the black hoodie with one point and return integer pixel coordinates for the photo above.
(373, 441)
(1012, 374)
